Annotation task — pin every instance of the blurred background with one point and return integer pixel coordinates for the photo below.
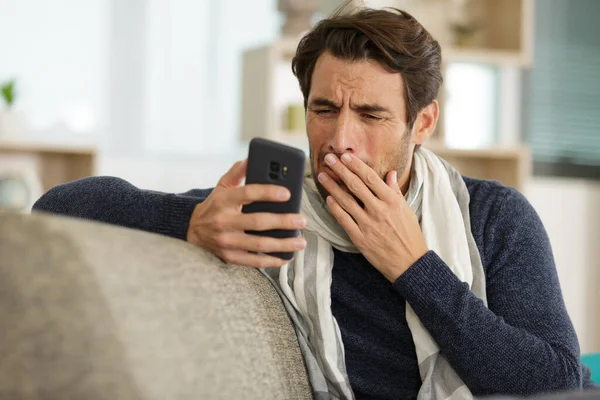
(166, 94)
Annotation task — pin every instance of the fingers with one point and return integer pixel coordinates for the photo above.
(343, 198)
(361, 179)
(239, 248)
(353, 182)
(391, 180)
(268, 221)
(344, 219)
(255, 192)
(235, 176)
(240, 257)
(261, 244)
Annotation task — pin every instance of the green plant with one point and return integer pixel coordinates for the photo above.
(8, 92)
(464, 33)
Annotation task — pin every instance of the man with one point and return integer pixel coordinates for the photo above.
(440, 285)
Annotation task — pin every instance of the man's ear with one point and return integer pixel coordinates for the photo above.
(426, 122)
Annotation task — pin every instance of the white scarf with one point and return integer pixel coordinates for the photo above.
(438, 195)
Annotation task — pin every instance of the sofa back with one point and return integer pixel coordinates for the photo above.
(92, 311)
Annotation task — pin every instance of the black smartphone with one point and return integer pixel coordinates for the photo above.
(274, 163)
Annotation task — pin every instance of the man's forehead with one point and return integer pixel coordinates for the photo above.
(369, 81)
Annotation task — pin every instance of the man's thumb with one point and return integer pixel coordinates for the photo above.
(235, 176)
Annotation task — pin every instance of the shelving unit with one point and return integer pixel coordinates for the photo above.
(269, 85)
(54, 164)
(511, 166)
(492, 43)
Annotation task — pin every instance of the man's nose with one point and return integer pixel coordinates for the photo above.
(344, 139)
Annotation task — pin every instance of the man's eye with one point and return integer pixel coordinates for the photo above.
(372, 117)
(321, 112)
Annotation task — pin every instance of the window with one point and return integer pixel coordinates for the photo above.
(57, 51)
(562, 91)
(192, 87)
(471, 109)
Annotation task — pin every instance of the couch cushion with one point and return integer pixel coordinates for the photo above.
(94, 311)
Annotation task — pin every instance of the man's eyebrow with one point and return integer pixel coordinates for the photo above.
(323, 102)
(369, 108)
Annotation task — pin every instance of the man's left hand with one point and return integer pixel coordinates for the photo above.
(386, 230)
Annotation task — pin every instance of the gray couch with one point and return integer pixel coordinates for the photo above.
(92, 311)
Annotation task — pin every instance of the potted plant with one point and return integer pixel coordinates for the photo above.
(11, 121)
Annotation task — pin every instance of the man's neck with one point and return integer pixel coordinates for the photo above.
(404, 179)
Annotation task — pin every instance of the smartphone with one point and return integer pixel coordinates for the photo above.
(274, 163)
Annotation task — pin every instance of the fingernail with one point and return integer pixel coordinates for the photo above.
(329, 200)
(300, 222)
(346, 157)
(395, 176)
(283, 194)
(300, 244)
(323, 177)
(330, 159)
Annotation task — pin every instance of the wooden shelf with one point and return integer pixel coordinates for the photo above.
(505, 35)
(55, 163)
(483, 56)
(508, 165)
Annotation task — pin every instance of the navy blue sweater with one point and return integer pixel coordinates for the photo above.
(522, 343)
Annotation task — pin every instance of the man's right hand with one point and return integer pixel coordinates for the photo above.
(218, 224)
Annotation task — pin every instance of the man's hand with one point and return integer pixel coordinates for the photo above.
(386, 230)
(218, 224)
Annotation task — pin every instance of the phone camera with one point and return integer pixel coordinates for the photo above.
(274, 173)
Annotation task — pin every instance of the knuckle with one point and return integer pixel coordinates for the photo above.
(344, 202)
(258, 223)
(354, 186)
(219, 223)
(222, 241)
(371, 177)
(359, 242)
(262, 246)
(248, 192)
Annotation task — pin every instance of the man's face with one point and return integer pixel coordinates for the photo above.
(357, 107)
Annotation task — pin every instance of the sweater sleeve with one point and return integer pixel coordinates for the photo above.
(115, 201)
(523, 342)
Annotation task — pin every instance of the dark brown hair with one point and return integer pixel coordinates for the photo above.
(392, 37)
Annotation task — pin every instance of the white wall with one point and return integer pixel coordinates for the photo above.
(570, 211)
(58, 52)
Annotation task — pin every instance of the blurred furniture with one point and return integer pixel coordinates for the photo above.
(269, 89)
(511, 166)
(592, 361)
(55, 163)
(93, 311)
(503, 30)
(503, 36)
